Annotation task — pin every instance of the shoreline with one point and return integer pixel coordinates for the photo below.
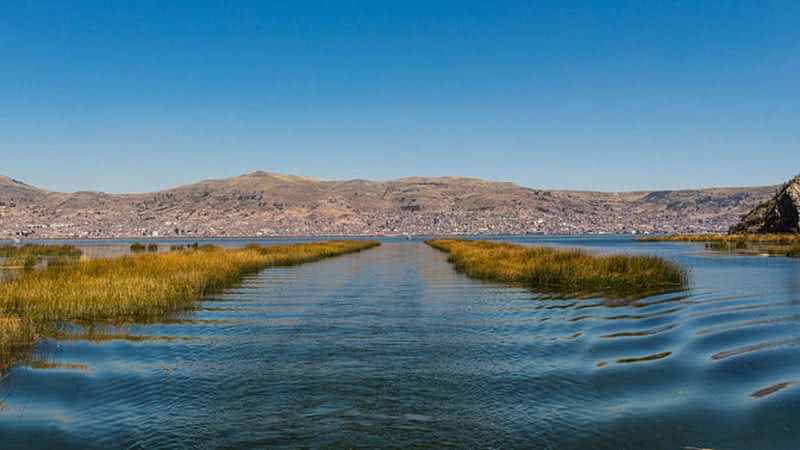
(330, 236)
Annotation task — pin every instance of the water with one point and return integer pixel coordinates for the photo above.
(392, 348)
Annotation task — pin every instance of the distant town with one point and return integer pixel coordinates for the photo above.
(208, 224)
(262, 204)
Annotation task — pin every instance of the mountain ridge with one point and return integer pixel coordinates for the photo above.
(443, 178)
(267, 204)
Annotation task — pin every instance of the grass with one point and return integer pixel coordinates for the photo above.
(193, 246)
(22, 251)
(552, 269)
(731, 238)
(757, 244)
(27, 256)
(16, 335)
(755, 248)
(138, 247)
(140, 286)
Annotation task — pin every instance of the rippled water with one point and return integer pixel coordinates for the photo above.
(392, 348)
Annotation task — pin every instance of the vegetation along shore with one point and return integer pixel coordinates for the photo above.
(9, 251)
(748, 238)
(553, 269)
(137, 287)
(783, 244)
(29, 255)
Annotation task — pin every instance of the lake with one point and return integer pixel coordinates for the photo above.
(392, 348)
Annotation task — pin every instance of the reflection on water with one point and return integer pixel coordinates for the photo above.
(43, 364)
(772, 389)
(392, 348)
(110, 332)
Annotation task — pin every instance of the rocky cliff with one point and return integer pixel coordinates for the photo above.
(779, 214)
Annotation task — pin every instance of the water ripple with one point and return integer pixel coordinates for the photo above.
(754, 348)
(393, 348)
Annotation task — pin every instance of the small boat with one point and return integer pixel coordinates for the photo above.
(17, 241)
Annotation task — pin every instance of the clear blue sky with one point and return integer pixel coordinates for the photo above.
(142, 95)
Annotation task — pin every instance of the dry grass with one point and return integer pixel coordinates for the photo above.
(753, 244)
(21, 251)
(138, 247)
(552, 269)
(731, 238)
(150, 284)
(29, 255)
(15, 335)
(755, 248)
(141, 286)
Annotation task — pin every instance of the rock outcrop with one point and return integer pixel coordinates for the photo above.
(777, 215)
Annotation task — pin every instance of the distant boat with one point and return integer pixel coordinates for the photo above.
(17, 241)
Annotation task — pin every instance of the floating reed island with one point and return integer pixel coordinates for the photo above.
(786, 244)
(141, 286)
(553, 269)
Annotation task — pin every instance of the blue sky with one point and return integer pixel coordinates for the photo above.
(138, 96)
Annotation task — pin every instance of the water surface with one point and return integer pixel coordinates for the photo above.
(392, 348)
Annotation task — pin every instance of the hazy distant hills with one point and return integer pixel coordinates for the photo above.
(266, 204)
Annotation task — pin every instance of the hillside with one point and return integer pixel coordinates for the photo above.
(266, 204)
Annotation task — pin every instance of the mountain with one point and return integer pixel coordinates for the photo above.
(779, 214)
(11, 189)
(268, 204)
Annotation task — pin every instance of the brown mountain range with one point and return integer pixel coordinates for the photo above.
(266, 204)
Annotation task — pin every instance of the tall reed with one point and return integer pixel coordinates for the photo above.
(734, 238)
(15, 336)
(22, 251)
(553, 269)
(145, 285)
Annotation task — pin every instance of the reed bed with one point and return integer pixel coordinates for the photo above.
(748, 244)
(551, 269)
(15, 335)
(27, 256)
(141, 286)
(193, 246)
(731, 238)
(138, 247)
(149, 284)
(22, 251)
(755, 248)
